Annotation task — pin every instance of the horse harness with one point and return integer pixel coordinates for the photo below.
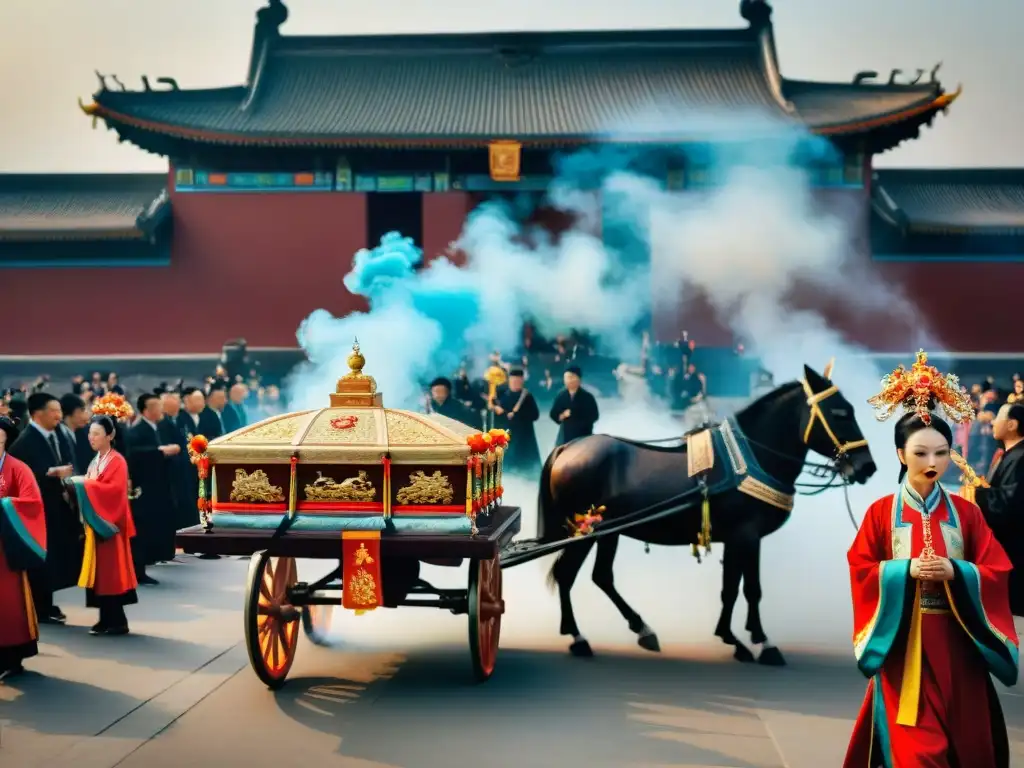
(744, 473)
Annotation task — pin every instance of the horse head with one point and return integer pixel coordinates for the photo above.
(830, 429)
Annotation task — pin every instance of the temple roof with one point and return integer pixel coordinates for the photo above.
(543, 88)
(82, 207)
(951, 201)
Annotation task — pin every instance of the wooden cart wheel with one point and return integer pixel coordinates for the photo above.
(485, 609)
(316, 623)
(271, 622)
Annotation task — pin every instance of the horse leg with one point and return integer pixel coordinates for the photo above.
(564, 573)
(732, 572)
(770, 655)
(604, 578)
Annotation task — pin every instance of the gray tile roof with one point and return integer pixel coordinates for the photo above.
(535, 86)
(76, 206)
(982, 200)
(821, 105)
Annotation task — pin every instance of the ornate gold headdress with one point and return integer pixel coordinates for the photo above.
(915, 389)
(114, 406)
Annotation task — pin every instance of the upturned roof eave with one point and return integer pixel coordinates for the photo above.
(201, 134)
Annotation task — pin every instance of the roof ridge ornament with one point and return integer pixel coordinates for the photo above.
(270, 18)
(757, 13)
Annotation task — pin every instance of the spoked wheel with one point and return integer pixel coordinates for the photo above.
(271, 622)
(485, 609)
(316, 623)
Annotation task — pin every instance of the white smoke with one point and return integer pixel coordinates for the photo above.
(746, 242)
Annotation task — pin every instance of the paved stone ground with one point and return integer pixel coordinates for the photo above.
(397, 693)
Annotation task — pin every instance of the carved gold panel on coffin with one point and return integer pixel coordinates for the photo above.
(428, 486)
(252, 484)
(333, 483)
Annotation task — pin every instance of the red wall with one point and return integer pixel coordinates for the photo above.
(443, 216)
(251, 265)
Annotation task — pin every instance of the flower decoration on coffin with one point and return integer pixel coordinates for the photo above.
(197, 446)
(114, 406)
(344, 422)
(486, 450)
(917, 389)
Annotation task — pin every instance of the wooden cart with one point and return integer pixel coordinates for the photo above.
(276, 602)
(404, 488)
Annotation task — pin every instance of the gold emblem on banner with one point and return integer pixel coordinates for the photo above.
(505, 160)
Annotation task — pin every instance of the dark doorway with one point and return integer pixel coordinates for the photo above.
(394, 212)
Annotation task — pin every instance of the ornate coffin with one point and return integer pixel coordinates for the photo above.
(352, 466)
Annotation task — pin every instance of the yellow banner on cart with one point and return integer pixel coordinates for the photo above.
(360, 570)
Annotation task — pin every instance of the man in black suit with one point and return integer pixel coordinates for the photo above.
(149, 461)
(182, 475)
(50, 457)
(75, 429)
(211, 420)
(575, 409)
(441, 402)
(1003, 502)
(193, 402)
(234, 414)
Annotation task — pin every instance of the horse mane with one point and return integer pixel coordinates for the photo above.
(768, 398)
(771, 396)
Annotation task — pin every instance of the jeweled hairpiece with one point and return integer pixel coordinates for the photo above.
(915, 389)
(114, 406)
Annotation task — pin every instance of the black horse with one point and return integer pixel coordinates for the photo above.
(758, 454)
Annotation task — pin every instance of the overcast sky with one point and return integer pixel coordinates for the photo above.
(50, 49)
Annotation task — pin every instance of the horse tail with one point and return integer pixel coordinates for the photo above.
(552, 580)
(549, 521)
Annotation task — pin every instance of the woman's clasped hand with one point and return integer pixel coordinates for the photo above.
(932, 568)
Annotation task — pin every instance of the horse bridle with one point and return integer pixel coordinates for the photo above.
(814, 401)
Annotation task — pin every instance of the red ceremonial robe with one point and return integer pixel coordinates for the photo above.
(22, 546)
(929, 648)
(107, 567)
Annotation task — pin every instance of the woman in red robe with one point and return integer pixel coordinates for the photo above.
(932, 622)
(108, 573)
(22, 546)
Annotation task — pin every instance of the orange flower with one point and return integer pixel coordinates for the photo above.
(198, 444)
(478, 442)
(499, 437)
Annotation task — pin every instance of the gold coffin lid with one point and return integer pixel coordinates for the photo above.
(356, 429)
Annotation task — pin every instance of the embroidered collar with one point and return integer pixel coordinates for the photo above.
(912, 498)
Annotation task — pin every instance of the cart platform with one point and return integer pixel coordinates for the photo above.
(496, 530)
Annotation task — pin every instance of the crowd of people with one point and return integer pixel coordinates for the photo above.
(93, 489)
(977, 441)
